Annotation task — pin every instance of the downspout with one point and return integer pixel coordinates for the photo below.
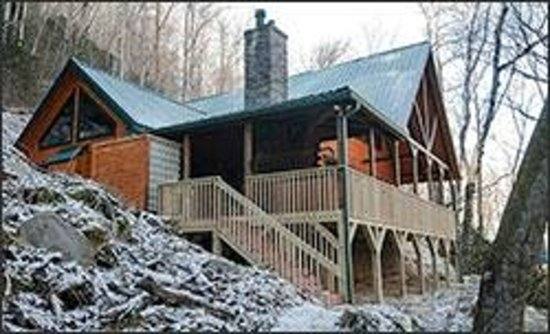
(343, 231)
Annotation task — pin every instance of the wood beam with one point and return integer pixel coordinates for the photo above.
(248, 148)
(76, 111)
(430, 178)
(346, 282)
(186, 148)
(372, 152)
(414, 152)
(397, 163)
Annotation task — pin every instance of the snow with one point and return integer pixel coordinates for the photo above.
(48, 293)
(309, 317)
(44, 292)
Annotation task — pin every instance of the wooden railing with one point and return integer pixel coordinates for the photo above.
(314, 195)
(297, 191)
(378, 202)
(253, 233)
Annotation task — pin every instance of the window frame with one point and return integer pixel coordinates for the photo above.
(84, 92)
(41, 143)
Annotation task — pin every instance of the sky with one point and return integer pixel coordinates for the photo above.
(308, 23)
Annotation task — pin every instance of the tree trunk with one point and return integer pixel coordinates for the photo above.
(505, 284)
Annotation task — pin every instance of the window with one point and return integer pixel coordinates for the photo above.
(60, 132)
(92, 121)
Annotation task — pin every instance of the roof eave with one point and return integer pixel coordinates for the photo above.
(339, 95)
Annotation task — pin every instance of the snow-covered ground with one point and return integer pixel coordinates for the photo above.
(447, 310)
(144, 277)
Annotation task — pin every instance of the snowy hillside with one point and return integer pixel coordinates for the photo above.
(144, 277)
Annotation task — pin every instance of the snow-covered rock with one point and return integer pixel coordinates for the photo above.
(47, 230)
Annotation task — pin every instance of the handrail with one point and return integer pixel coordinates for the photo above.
(257, 235)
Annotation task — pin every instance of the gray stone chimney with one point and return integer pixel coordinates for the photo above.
(265, 64)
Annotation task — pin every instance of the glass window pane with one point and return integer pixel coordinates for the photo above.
(92, 121)
(60, 132)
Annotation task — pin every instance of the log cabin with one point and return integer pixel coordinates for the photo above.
(330, 178)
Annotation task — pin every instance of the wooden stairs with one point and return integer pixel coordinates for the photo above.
(307, 256)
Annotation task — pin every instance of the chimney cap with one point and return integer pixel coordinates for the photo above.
(260, 17)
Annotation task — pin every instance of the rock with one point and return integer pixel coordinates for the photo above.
(105, 257)
(41, 195)
(377, 319)
(47, 230)
(96, 234)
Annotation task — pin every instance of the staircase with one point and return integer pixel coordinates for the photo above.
(306, 257)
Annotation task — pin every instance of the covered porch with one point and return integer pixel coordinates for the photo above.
(343, 183)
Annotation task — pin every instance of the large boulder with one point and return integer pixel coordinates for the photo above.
(48, 230)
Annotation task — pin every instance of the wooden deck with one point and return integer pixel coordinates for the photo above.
(287, 221)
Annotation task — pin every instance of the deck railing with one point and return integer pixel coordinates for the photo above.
(378, 202)
(314, 192)
(296, 191)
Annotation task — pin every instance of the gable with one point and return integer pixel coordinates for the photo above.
(428, 123)
(64, 97)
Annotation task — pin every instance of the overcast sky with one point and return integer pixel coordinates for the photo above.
(307, 23)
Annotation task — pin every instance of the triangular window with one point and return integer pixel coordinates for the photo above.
(92, 120)
(60, 132)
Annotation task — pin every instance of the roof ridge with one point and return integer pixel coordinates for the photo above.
(372, 55)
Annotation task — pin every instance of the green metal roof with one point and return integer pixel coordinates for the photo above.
(387, 81)
(63, 155)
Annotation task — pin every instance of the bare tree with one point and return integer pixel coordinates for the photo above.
(481, 46)
(328, 53)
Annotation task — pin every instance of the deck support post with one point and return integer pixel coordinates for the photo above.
(346, 286)
(216, 244)
(186, 147)
(446, 246)
(434, 262)
(397, 163)
(420, 267)
(377, 275)
(400, 237)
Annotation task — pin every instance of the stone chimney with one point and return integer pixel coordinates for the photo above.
(265, 64)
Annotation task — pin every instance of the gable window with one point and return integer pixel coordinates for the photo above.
(92, 120)
(60, 132)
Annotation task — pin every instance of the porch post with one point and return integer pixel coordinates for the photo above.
(414, 152)
(343, 228)
(247, 148)
(186, 157)
(372, 152)
(441, 191)
(397, 163)
(430, 178)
